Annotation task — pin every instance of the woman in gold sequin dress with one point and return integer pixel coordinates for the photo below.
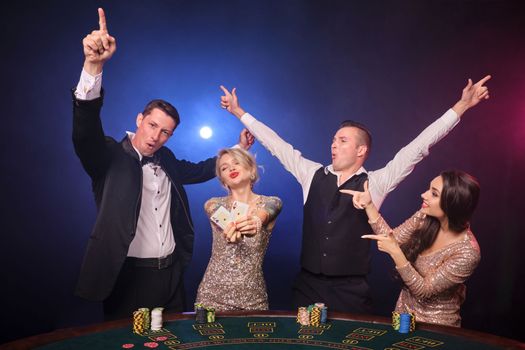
(434, 250)
(234, 278)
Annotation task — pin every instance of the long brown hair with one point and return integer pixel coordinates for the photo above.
(459, 198)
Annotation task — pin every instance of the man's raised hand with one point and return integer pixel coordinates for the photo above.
(99, 46)
(471, 95)
(230, 102)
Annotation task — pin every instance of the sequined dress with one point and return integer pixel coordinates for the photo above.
(234, 278)
(433, 286)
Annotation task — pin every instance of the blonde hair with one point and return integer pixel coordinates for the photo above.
(245, 158)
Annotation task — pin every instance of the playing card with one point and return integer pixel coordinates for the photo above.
(239, 209)
(221, 217)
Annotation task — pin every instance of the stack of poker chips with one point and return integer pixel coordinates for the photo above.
(303, 316)
(403, 322)
(204, 314)
(210, 315)
(147, 317)
(141, 320)
(324, 312)
(313, 315)
(395, 320)
(412, 322)
(156, 319)
(200, 313)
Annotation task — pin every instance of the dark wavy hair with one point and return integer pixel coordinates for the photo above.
(459, 198)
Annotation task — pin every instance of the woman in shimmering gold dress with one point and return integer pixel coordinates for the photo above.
(234, 278)
(434, 250)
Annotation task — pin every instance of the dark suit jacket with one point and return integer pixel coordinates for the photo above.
(116, 175)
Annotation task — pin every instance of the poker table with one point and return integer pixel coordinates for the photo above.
(265, 330)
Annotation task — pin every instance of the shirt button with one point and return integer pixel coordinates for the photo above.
(158, 192)
(324, 254)
(155, 209)
(160, 225)
(326, 237)
(329, 222)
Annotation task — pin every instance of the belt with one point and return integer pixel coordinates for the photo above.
(158, 263)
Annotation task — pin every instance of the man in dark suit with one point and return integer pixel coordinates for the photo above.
(143, 235)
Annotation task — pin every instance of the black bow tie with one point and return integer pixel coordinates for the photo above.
(153, 159)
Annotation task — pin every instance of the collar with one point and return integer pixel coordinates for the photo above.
(129, 136)
(128, 146)
(330, 169)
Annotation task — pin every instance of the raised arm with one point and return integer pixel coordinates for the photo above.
(99, 46)
(386, 179)
(88, 136)
(301, 168)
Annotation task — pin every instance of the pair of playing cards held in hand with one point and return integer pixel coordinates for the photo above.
(222, 217)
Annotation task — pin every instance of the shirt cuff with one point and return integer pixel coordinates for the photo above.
(450, 118)
(247, 119)
(89, 86)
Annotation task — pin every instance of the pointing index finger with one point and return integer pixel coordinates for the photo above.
(350, 192)
(375, 237)
(482, 81)
(226, 92)
(102, 20)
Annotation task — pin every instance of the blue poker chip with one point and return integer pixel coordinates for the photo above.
(405, 322)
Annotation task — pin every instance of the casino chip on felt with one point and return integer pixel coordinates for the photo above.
(127, 346)
(151, 345)
(403, 322)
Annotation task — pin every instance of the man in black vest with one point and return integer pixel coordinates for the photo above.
(334, 258)
(143, 236)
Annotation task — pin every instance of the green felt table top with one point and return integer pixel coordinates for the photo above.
(273, 332)
(264, 330)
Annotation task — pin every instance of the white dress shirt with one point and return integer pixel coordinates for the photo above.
(381, 181)
(154, 234)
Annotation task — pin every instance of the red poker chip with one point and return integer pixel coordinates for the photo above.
(161, 338)
(151, 345)
(127, 346)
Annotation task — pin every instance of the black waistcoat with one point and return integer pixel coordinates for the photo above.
(332, 228)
